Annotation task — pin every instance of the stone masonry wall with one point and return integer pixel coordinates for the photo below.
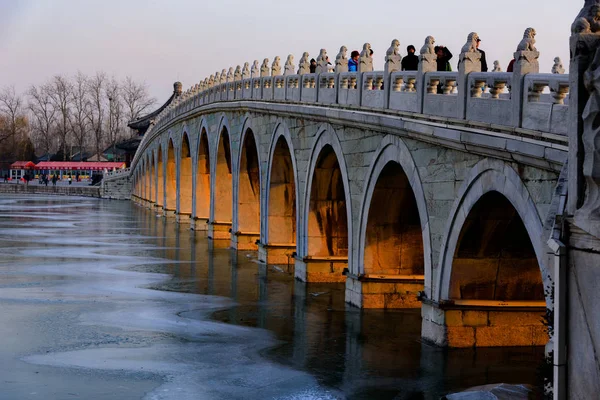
(440, 166)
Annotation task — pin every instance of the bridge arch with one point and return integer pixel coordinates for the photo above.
(222, 195)
(145, 175)
(185, 175)
(152, 178)
(494, 193)
(160, 176)
(247, 184)
(393, 241)
(203, 181)
(326, 223)
(281, 191)
(171, 178)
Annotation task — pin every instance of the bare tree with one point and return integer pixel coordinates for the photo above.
(62, 95)
(43, 117)
(136, 98)
(11, 109)
(115, 112)
(79, 120)
(96, 87)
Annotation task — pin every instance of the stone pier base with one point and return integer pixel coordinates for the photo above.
(220, 234)
(325, 269)
(370, 291)
(245, 241)
(480, 323)
(169, 213)
(184, 218)
(199, 224)
(276, 254)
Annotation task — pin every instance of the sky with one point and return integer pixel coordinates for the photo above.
(162, 41)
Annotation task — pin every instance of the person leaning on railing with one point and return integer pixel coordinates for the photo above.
(443, 58)
(411, 61)
(353, 61)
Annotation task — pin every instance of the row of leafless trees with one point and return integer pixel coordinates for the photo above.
(79, 112)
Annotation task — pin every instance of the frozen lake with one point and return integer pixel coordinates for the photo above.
(104, 300)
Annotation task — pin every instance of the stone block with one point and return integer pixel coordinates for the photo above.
(530, 149)
(475, 318)
(500, 336)
(460, 337)
(454, 318)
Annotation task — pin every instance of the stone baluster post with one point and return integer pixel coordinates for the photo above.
(427, 63)
(526, 62)
(393, 61)
(469, 61)
(584, 135)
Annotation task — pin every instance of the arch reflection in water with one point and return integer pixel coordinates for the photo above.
(220, 226)
(362, 353)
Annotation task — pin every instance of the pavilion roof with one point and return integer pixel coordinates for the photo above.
(22, 165)
(80, 165)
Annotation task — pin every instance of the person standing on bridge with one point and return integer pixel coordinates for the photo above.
(484, 66)
(443, 58)
(411, 61)
(313, 66)
(353, 61)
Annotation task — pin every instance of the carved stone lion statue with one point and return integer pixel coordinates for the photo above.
(341, 61)
(230, 75)
(264, 68)
(428, 47)
(471, 45)
(211, 81)
(304, 65)
(223, 76)
(237, 75)
(528, 42)
(322, 62)
(276, 67)
(246, 71)
(557, 68)
(255, 71)
(365, 59)
(497, 67)
(588, 20)
(392, 57)
(289, 65)
(393, 50)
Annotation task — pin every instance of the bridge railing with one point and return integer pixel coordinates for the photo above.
(545, 97)
(544, 111)
(493, 106)
(116, 174)
(523, 99)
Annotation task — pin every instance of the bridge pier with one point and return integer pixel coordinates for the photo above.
(481, 323)
(220, 233)
(184, 218)
(326, 269)
(245, 240)
(276, 253)
(169, 213)
(384, 291)
(199, 224)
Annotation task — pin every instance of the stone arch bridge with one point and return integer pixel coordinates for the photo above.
(420, 188)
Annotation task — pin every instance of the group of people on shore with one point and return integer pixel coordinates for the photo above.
(43, 179)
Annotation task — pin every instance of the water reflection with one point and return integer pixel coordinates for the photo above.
(364, 354)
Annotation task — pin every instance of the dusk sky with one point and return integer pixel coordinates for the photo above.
(159, 42)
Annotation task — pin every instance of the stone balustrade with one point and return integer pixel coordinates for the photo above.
(524, 99)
